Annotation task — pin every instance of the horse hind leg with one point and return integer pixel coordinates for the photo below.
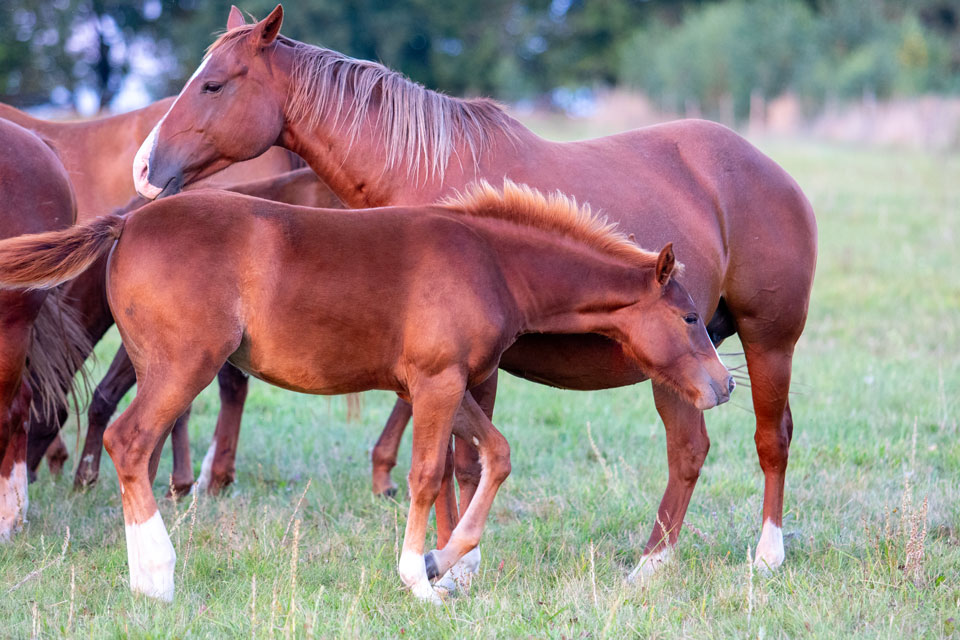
(14, 499)
(687, 447)
(769, 371)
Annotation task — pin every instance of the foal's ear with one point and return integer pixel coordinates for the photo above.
(267, 29)
(235, 19)
(665, 264)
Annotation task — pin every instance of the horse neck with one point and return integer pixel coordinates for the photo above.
(358, 171)
(561, 286)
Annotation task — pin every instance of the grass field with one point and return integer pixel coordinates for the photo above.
(874, 475)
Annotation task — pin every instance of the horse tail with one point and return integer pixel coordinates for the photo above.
(44, 260)
(59, 346)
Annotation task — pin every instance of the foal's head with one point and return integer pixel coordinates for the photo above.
(667, 337)
(230, 110)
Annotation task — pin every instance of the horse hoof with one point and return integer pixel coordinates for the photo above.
(431, 565)
(649, 564)
(389, 492)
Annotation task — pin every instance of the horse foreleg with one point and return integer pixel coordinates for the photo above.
(120, 378)
(687, 447)
(219, 467)
(384, 455)
(435, 402)
(473, 425)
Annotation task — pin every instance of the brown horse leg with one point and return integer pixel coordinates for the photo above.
(473, 425)
(41, 436)
(770, 381)
(120, 378)
(56, 455)
(133, 442)
(13, 463)
(446, 506)
(182, 480)
(435, 402)
(384, 455)
(219, 467)
(687, 447)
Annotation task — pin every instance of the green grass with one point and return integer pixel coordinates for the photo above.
(877, 368)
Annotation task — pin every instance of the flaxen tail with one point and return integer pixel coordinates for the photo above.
(44, 260)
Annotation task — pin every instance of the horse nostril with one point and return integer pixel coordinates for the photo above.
(731, 384)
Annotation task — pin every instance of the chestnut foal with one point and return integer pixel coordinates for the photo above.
(419, 300)
(746, 232)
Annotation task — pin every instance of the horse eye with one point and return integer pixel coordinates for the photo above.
(691, 318)
(212, 87)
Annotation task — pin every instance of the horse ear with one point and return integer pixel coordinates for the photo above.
(268, 29)
(235, 19)
(665, 264)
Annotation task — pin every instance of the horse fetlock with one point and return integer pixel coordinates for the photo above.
(649, 565)
(14, 501)
(151, 558)
(769, 554)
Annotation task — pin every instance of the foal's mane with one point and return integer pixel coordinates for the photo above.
(556, 212)
(420, 127)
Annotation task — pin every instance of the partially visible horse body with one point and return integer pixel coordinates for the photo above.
(97, 155)
(741, 225)
(299, 187)
(418, 300)
(39, 338)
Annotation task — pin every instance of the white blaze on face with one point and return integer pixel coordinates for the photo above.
(141, 162)
(151, 558)
(770, 553)
(649, 564)
(13, 501)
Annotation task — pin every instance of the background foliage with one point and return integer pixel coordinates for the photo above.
(685, 53)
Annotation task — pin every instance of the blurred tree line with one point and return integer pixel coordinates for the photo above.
(712, 54)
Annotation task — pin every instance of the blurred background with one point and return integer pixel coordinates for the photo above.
(876, 71)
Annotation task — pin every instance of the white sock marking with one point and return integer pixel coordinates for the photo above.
(460, 576)
(413, 572)
(13, 501)
(203, 482)
(151, 558)
(770, 553)
(649, 564)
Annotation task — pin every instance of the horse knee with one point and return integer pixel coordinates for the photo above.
(497, 460)
(691, 459)
(773, 449)
(425, 481)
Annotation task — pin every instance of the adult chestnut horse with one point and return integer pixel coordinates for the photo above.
(97, 155)
(300, 187)
(742, 226)
(418, 300)
(39, 337)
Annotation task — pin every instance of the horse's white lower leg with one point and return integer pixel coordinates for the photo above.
(206, 468)
(413, 572)
(649, 564)
(770, 553)
(460, 576)
(13, 501)
(151, 558)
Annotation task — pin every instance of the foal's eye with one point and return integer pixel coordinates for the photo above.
(212, 87)
(691, 318)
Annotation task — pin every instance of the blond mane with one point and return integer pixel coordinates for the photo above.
(421, 128)
(555, 212)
